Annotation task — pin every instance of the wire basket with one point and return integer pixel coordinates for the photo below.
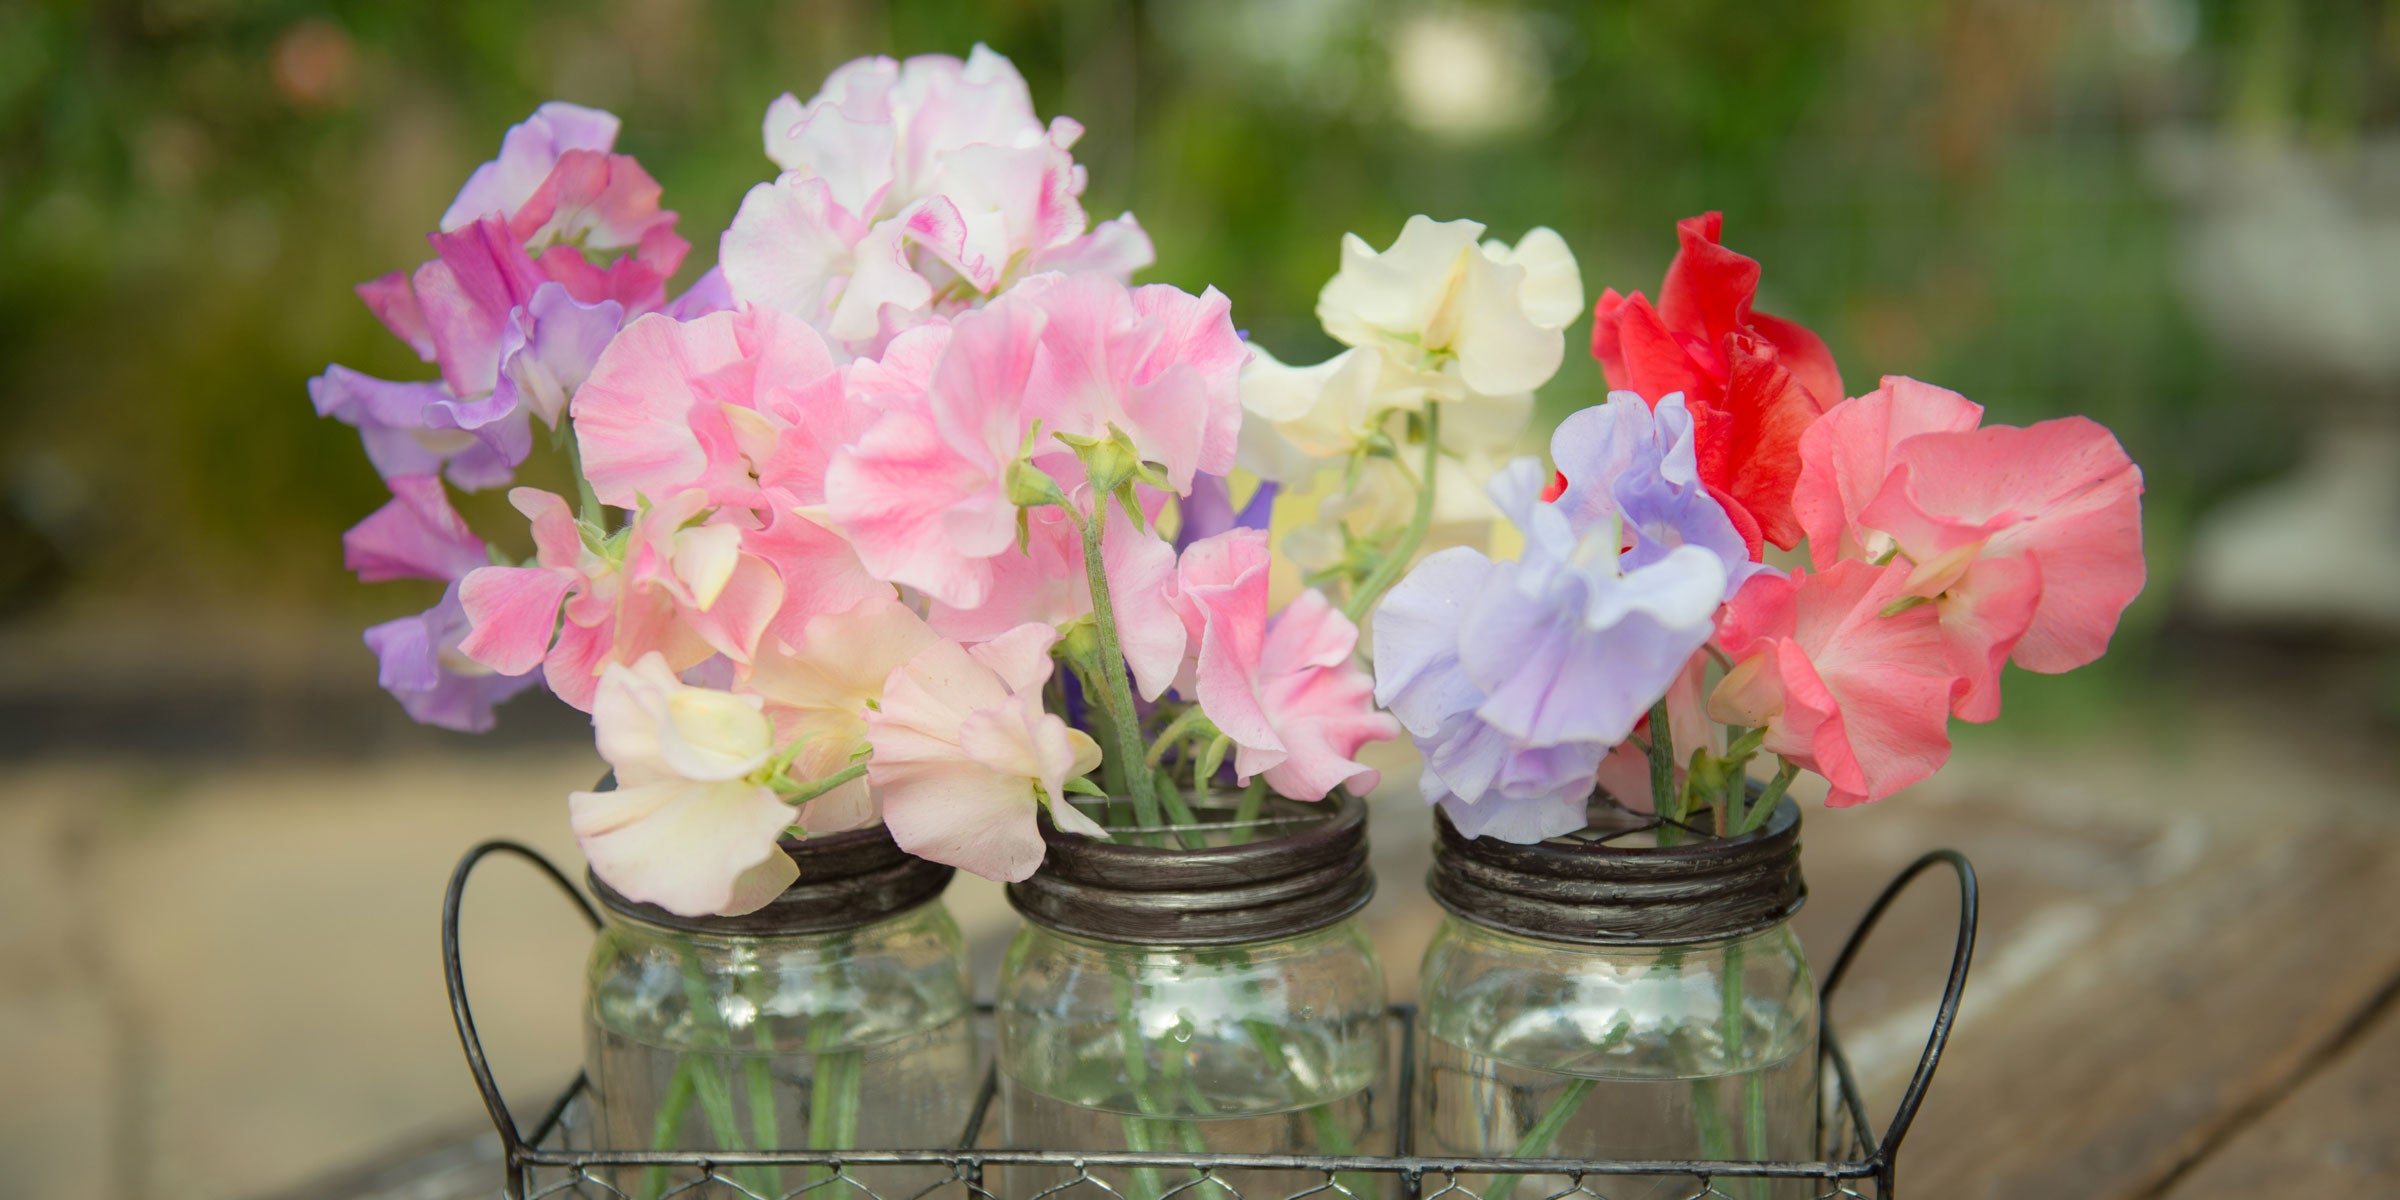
(1854, 1159)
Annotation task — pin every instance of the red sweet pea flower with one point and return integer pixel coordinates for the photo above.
(1754, 383)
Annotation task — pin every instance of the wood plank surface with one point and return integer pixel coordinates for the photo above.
(2334, 1135)
(2155, 1025)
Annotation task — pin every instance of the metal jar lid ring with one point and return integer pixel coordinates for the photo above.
(847, 881)
(1590, 891)
(1311, 875)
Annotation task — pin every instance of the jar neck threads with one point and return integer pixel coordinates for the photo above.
(848, 880)
(1593, 888)
(1306, 869)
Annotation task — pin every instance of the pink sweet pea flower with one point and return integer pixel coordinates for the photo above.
(1286, 690)
(691, 825)
(966, 758)
(819, 687)
(1844, 690)
(911, 191)
(923, 493)
(749, 409)
(1047, 584)
(685, 591)
(1155, 361)
(2027, 541)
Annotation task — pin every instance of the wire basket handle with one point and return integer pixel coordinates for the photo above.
(1945, 1016)
(452, 971)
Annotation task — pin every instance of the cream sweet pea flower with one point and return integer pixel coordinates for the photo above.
(1465, 318)
(1438, 317)
(692, 824)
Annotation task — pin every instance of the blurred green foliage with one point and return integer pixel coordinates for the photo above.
(188, 189)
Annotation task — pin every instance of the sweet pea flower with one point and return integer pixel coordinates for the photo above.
(1285, 689)
(692, 825)
(913, 190)
(421, 665)
(392, 422)
(1463, 318)
(1047, 583)
(965, 758)
(684, 590)
(1844, 686)
(2027, 542)
(1754, 382)
(923, 493)
(417, 535)
(748, 408)
(513, 307)
(819, 688)
(1515, 678)
(1627, 463)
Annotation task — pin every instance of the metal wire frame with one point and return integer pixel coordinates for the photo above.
(1853, 1155)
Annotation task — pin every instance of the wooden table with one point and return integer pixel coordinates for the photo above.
(2184, 988)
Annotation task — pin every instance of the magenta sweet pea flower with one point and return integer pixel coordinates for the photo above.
(415, 536)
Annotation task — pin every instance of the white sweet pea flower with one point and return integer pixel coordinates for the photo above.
(692, 824)
(1468, 318)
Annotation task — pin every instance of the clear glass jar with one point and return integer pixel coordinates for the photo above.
(1589, 999)
(838, 1017)
(1222, 999)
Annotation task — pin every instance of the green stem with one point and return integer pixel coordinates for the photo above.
(833, 1086)
(1665, 798)
(817, 787)
(1768, 798)
(714, 1088)
(668, 1123)
(1245, 817)
(1174, 732)
(1732, 1031)
(1148, 1184)
(1116, 690)
(588, 501)
(1536, 1142)
(1387, 572)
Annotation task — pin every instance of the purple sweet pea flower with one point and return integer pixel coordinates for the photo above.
(1208, 509)
(391, 419)
(1624, 461)
(1515, 678)
(423, 670)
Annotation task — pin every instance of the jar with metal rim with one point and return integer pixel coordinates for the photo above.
(1202, 989)
(839, 1016)
(1629, 992)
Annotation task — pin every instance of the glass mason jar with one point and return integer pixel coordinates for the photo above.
(1220, 998)
(839, 1016)
(1604, 996)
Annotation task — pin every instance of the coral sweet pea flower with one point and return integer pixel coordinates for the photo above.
(2028, 542)
(1843, 688)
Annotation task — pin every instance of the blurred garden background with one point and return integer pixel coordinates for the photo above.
(2181, 217)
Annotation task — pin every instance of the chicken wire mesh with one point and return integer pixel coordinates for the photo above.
(1855, 1160)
